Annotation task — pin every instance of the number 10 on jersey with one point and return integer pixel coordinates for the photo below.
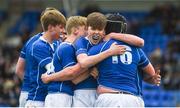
(125, 58)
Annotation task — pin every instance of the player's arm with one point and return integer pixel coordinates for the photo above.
(152, 79)
(20, 67)
(81, 77)
(68, 73)
(149, 71)
(127, 38)
(88, 61)
(150, 75)
(94, 72)
(90, 72)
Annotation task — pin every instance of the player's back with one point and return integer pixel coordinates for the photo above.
(60, 61)
(119, 72)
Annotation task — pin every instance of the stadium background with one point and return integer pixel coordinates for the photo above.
(156, 21)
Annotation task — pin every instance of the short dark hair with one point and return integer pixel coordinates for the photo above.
(115, 23)
(52, 17)
(96, 20)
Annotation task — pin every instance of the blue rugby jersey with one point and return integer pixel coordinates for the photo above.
(121, 72)
(24, 54)
(41, 54)
(82, 45)
(64, 57)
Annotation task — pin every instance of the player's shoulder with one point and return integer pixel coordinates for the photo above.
(97, 48)
(82, 39)
(66, 45)
(37, 36)
(34, 38)
(105, 43)
(40, 44)
(140, 50)
(31, 41)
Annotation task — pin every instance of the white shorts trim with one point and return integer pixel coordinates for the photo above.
(84, 98)
(119, 100)
(31, 103)
(23, 98)
(58, 100)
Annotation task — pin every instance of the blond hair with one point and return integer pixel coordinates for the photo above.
(52, 17)
(74, 22)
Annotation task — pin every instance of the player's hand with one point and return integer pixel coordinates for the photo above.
(155, 79)
(116, 49)
(45, 78)
(94, 72)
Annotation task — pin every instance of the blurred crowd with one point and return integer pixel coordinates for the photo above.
(169, 17)
(10, 47)
(9, 82)
(169, 60)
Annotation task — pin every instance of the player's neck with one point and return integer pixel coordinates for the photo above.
(47, 37)
(71, 38)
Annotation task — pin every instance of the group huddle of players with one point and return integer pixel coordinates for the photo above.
(83, 62)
